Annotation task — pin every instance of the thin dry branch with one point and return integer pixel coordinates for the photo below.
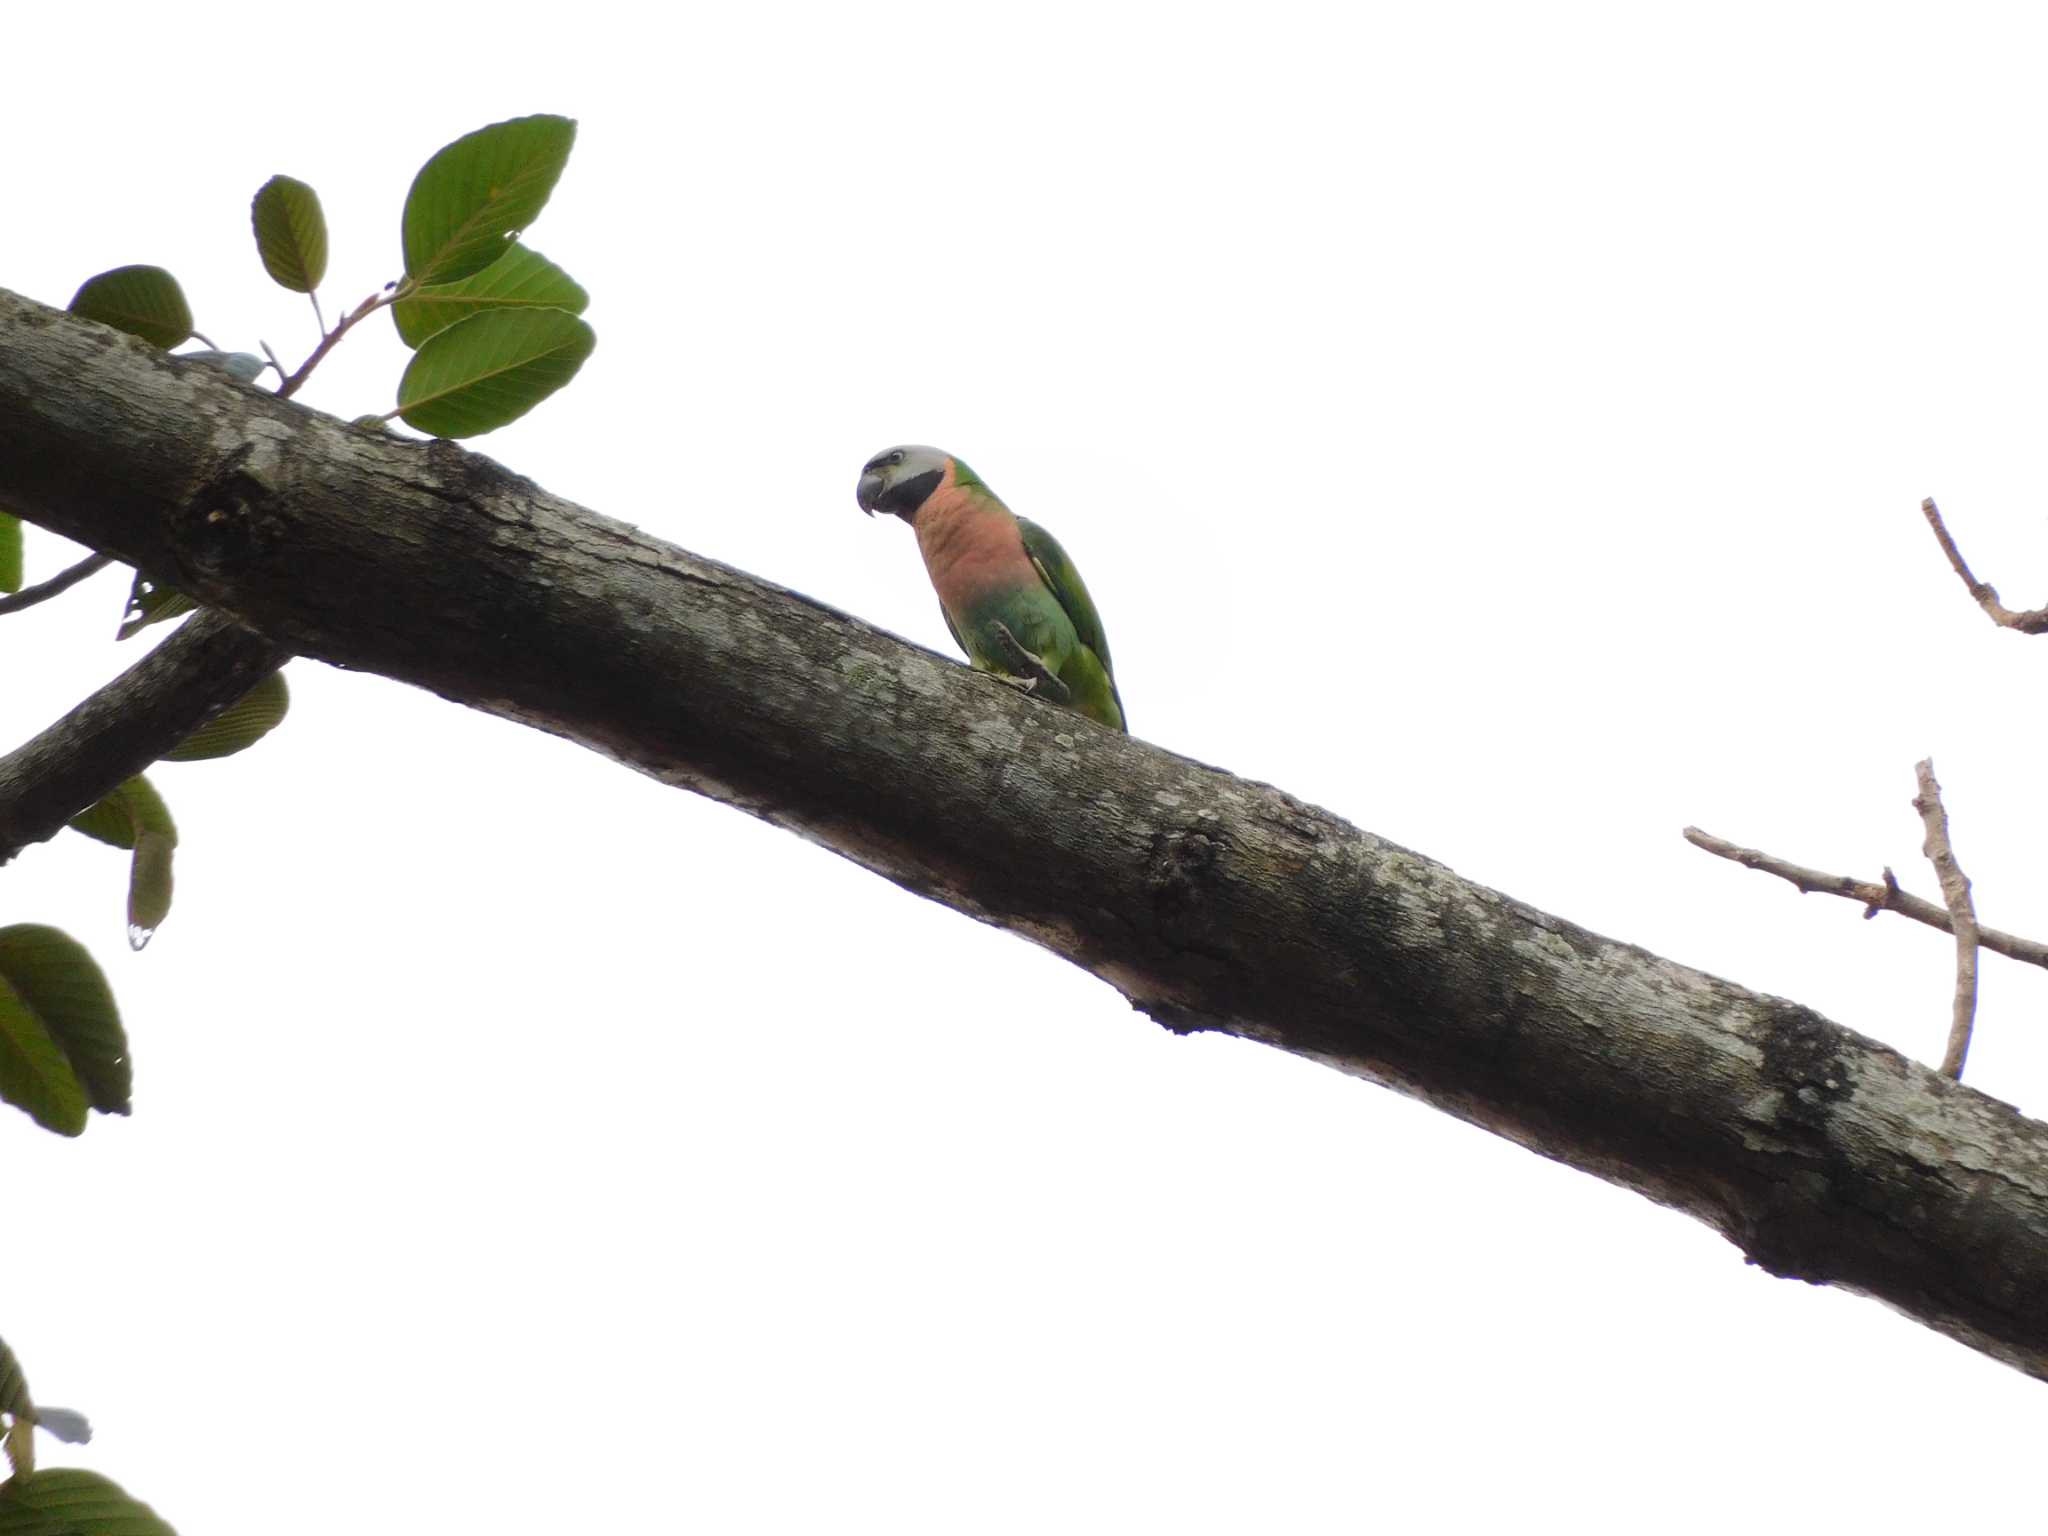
(1876, 897)
(1955, 890)
(2031, 621)
(60, 583)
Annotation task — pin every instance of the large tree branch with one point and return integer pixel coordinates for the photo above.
(1209, 901)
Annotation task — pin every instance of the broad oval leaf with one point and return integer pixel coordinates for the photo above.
(150, 602)
(35, 1074)
(70, 1501)
(10, 552)
(58, 978)
(125, 814)
(143, 301)
(241, 725)
(522, 278)
(291, 233)
(478, 193)
(492, 368)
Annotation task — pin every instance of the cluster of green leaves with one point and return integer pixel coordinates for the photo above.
(63, 1050)
(58, 1501)
(494, 328)
(134, 816)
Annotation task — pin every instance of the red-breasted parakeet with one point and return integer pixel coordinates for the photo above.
(1011, 597)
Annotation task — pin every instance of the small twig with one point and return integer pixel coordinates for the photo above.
(1955, 890)
(281, 374)
(362, 311)
(318, 318)
(63, 581)
(1876, 898)
(2032, 621)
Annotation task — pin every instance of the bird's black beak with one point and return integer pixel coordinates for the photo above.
(870, 492)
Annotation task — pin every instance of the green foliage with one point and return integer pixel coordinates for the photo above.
(14, 1398)
(66, 1501)
(15, 1404)
(135, 817)
(57, 979)
(490, 369)
(150, 602)
(240, 726)
(149, 887)
(130, 810)
(522, 278)
(291, 233)
(478, 193)
(143, 301)
(35, 1074)
(496, 329)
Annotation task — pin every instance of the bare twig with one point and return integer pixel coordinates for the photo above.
(63, 581)
(1876, 898)
(1955, 890)
(362, 311)
(2031, 621)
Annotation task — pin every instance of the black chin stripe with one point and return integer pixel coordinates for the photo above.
(906, 496)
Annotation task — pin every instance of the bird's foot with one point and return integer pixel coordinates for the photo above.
(1030, 674)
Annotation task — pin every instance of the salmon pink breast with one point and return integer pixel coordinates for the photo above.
(971, 547)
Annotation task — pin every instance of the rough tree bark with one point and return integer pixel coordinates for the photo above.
(1209, 901)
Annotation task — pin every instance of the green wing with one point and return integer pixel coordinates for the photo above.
(1058, 573)
(954, 632)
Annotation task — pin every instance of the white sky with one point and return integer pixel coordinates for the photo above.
(1501, 424)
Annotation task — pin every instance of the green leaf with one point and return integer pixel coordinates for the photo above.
(150, 602)
(522, 278)
(149, 887)
(57, 977)
(242, 724)
(69, 1501)
(480, 192)
(291, 233)
(14, 1396)
(492, 368)
(143, 301)
(35, 1074)
(125, 814)
(135, 816)
(10, 552)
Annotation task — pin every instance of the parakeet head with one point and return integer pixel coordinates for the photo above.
(900, 480)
